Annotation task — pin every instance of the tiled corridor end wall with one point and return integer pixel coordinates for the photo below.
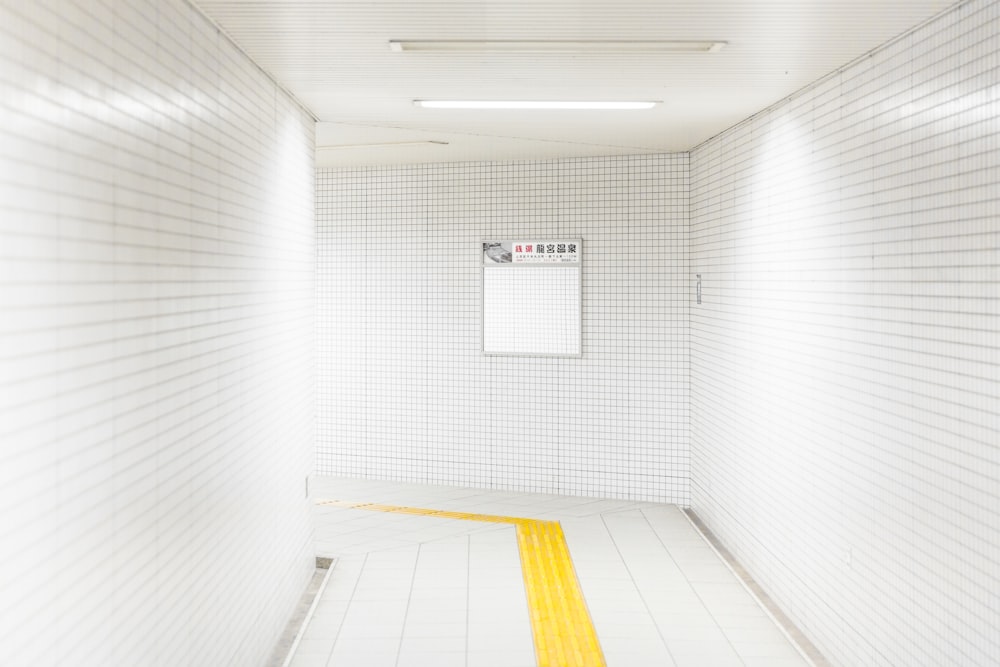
(405, 393)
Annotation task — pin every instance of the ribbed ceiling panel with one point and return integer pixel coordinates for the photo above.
(334, 57)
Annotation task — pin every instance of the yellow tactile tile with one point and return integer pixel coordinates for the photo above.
(560, 622)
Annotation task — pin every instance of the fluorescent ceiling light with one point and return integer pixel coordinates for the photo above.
(388, 144)
(527, 104)
(554, 46)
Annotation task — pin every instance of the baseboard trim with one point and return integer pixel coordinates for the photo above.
(805, 647)
(290, 638)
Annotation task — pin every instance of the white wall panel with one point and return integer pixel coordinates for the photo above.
(845, 363)
(404, 390)
(156, 392)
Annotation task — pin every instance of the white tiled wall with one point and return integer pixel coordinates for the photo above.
(156, 300)
(845, 363)
(406, 394)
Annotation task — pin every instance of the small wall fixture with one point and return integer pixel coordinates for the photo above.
(554, 46)
(535, 104)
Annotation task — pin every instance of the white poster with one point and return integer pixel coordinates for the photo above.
(532, 298)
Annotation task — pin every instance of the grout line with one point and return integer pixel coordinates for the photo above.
(468, 592)
(645, 603)
(406, 611)
(805, 648)
(309, 614)
(354, 590)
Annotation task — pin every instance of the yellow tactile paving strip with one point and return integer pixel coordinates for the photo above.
(560, 623)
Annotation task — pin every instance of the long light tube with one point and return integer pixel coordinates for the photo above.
(533, 104)
(516, 46)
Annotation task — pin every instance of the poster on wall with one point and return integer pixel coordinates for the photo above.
(531, 297)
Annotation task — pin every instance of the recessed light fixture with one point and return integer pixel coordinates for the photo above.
(555, 46)
(388, 144)
(533, 104)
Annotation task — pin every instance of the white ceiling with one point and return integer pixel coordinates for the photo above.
(334, 57)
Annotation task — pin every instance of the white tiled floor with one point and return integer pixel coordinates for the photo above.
(417, 591)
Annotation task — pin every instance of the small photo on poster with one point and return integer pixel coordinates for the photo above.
(497, 253)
